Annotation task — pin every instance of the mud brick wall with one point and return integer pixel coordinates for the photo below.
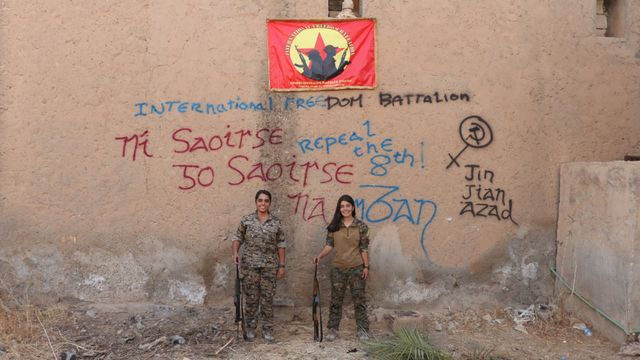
(117, 184)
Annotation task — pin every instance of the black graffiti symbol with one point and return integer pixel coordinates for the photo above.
(475, 132)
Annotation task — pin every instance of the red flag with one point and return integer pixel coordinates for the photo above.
(314, 54)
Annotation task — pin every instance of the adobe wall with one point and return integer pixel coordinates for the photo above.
(79, 217)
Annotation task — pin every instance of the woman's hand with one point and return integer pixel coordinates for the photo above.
(365, 273)
(325, 251)
(280, 273)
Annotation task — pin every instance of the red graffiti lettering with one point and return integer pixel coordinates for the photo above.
(187, 143)
(317, 210)
(338, 173)
(204, 176)
(244, 170)
(274, 166)
(136, 145)
(259, 137)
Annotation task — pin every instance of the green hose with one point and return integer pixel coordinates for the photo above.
(596, 309)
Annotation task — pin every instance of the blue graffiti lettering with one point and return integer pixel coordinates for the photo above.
(397, 208)
(367, 124)
(380, 152)
(379, 162)
(162, 108)
(326, 143)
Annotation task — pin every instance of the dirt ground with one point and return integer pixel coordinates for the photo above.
(151, 331)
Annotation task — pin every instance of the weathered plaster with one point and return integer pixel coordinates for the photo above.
(79, 219)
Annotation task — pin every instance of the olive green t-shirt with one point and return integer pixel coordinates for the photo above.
(348, 243)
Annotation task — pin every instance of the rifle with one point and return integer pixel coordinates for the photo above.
(316, 309)
(304, 66)
(237, 300)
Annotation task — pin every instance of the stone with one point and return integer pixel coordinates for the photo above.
(438, 327)
(177, 340)
(137, 320)
(381, 314)
(521, 328)
(68, 355)
(408, 320)
(127, 336)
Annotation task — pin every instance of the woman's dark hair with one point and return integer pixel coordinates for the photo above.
(337, 216)
(263, 192)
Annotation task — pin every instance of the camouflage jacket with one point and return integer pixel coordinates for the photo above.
(259, 241)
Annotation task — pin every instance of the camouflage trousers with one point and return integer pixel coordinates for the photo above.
(259, 287)
(340, 279)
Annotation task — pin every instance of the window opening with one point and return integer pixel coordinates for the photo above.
(610, 16)
(344, 8)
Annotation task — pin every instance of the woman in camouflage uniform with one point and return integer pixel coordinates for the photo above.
(349, 236)
(263, 260)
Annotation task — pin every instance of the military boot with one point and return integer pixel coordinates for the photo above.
(251, 335)
(267, 336)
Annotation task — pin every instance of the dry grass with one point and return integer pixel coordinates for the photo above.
(23, 326)
(20, 324)
(485, 353)
(28, 331)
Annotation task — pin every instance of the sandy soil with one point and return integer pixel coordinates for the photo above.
(145, 331)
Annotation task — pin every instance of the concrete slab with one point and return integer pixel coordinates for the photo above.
(599, 243)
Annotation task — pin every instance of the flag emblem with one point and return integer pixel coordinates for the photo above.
(313, 54)
(319, 53)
